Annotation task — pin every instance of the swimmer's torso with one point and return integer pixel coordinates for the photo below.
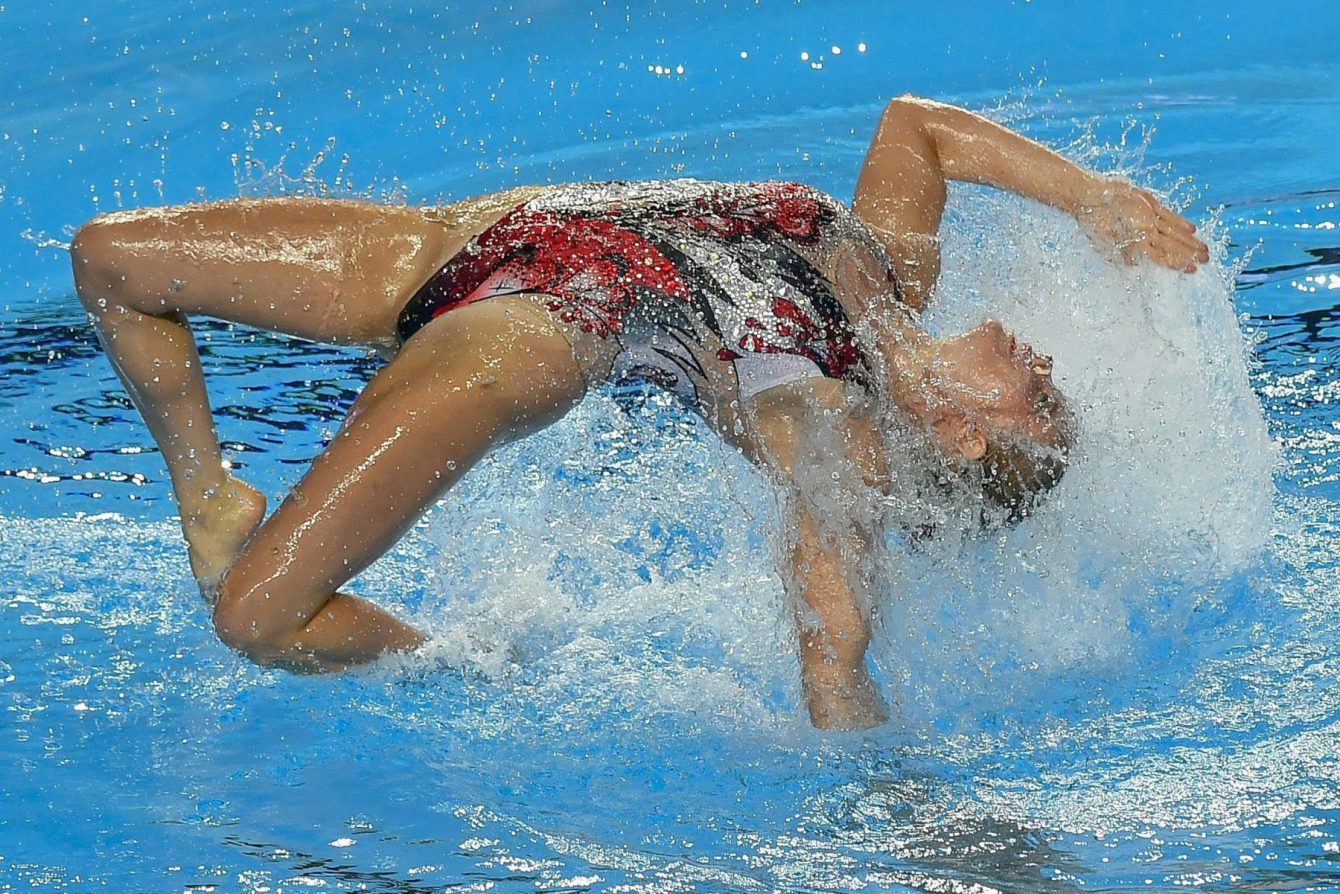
(709, 290)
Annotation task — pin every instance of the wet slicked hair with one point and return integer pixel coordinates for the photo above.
(1018, 472)
(1016, 476)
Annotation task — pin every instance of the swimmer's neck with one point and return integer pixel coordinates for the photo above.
(908, 356)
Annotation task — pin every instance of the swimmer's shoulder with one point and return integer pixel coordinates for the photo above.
(485, 206)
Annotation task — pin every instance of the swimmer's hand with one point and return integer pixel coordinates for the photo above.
(842, 699)
(1126, 221)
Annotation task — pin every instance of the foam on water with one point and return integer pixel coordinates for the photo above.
(621, 561)
(1168, 493)
(616, 642)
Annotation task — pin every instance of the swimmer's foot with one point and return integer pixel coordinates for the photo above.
(841, 699)
(218, 528)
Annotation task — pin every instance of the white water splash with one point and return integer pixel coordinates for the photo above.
(1169, 491)
(1168, 495)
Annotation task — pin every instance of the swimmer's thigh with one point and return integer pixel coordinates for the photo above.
(468, 381)
(324, 269)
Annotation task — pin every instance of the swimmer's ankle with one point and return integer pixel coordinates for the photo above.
(197, 493)
(218, 527)
(205, 499)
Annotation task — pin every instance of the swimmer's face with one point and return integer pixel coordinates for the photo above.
(1000, 384)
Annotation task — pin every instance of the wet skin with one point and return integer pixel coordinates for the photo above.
(1001, 383)
(497, 370)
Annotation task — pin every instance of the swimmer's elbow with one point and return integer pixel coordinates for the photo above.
(938, 124)
(907, 103)
(912, 110)
(902, 112)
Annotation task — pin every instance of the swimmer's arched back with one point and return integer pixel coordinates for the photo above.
(778, 305)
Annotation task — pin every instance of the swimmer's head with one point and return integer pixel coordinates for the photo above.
(989, 402)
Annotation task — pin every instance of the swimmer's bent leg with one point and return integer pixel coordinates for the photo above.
(476, 377)
(327, 270)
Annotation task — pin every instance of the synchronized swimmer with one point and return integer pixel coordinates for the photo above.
(771, 308)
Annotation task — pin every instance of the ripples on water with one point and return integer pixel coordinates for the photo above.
(612, 696)
(1123, 692)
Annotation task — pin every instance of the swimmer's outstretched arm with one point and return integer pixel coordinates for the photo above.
(827, 563)
(919, 144)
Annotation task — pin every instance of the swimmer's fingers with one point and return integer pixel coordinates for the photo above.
(1166, 217)
(1174, 236)
(1163, 250)
(1168, 240)
(1184, 250)
(1137, 226)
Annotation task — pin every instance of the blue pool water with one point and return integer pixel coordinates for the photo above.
(1136, 689)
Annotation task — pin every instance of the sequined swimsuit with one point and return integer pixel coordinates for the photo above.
(684, 276)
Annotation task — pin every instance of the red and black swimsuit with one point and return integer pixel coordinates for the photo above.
(679, 273)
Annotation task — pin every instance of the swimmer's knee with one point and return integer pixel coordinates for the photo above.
(243, 635)
(88, 255)
(94, 255)
(261, 639)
